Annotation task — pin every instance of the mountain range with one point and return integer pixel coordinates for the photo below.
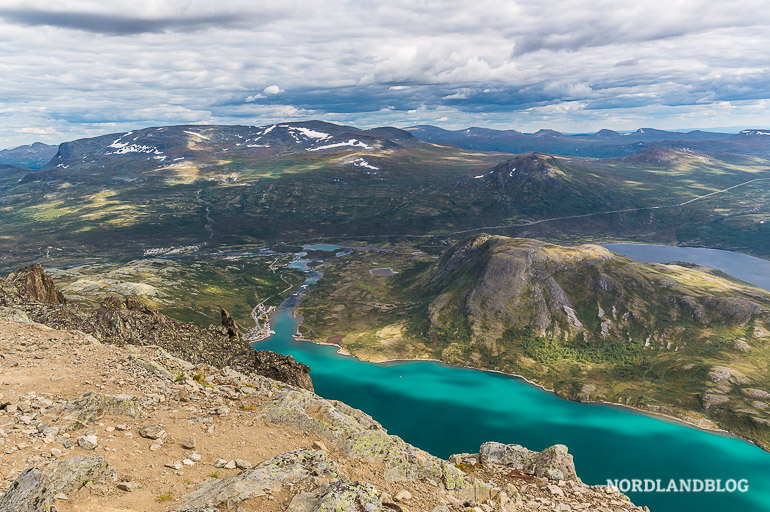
(602, 144)
(182, 188)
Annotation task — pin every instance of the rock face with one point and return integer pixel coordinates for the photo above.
(285, 469)
(339, 497)
(34, 489)
(553, 463)
(29, 293)
(283, 368)
(357, 435)
(228, 322)
(29, 284)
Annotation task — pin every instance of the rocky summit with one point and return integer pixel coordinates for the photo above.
(89, 427)
(29, 294)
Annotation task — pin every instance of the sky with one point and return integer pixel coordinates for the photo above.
(76, 68)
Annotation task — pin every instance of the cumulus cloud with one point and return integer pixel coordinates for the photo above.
(77, 66)
(272, 89)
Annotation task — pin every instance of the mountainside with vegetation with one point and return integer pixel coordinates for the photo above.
(592, 325)
(191, 189)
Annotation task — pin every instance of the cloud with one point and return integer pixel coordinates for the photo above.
(272, 89)
(113, 24)
(78, 66)
(48, 130)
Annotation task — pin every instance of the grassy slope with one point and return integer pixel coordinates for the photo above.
(388, 317)
(187, 289)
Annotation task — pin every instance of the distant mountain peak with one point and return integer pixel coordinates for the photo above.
(607, 133)
(160, 147)
(32, 156)
(546, 132)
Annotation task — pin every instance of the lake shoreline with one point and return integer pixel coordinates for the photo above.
(292, 302)
(654, 414)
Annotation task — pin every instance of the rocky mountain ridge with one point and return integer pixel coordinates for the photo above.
(30, 293)
(133, 428)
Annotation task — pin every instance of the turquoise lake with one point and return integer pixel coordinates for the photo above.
(445, 410)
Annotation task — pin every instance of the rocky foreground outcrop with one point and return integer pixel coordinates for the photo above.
(30, 294)
(94, 427)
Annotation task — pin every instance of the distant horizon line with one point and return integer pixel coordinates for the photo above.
(729, 130)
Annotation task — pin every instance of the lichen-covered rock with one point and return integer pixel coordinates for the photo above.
(90, 407)
(290, 467)
(35, 488)
(339, 497)
(152, 432)
(554, 463)
(357, 435)
(10, 314)
(513, 455)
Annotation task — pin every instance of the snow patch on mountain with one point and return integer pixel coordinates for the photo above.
(351, 143)
(311, 134)
(360, 162)
(197, 135)
(125, 148)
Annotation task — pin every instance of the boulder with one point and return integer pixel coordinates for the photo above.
(35, 488)
(339, 497)
(153, 432)
(91, 407)
(513, 455)
(554, 463)
(270, 475)
(282, 368)
(88, 442)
